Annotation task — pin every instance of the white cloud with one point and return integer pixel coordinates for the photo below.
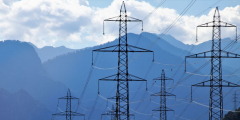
(47, 22)
(42, 22)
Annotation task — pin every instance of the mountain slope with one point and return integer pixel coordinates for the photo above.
(168, 42)
(74, 70)
(21, 68)
(21, 106)
(227, 44)
(49, 52)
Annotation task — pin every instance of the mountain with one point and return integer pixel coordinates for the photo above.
(49, 52)
(21, 106)
(171, 40)
(168, 43)
(180, 49)
(75, 70)
(21, 68)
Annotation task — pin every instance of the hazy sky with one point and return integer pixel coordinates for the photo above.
(78, 23)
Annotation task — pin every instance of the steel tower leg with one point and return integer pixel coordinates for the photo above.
(216, 82)
(122, 77)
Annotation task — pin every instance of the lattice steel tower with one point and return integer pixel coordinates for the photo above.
(122, 77)
(163, 93)
(68, 113)
(235, 100)
(110, 113)
(216, 54)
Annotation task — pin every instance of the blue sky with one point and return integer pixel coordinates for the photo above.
(178, 5)
(78, 23)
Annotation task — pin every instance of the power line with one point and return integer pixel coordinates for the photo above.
(122, 77)
(88, 79)
(214, 107)
(154, 10)
(173, 23)
(160, 35)
(68, 113)
(185, 10)
(163, 93)
(94, 104)
(216, 82)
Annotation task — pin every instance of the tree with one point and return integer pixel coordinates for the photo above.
(232, 115)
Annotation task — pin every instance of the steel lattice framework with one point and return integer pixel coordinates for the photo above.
(163, 93)
(216, 54)
(235, 100)
(110, 113)
(122, 77)
(69, 113)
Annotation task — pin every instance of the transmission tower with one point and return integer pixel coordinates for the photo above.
(163, 104)
(122, 77)
(68, 113)
(216, 54)
(235, 100)
(110, 113)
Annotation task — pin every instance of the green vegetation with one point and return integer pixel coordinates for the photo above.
(232, 115)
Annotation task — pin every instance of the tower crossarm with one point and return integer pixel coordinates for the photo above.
(163, 94)
(207, 54)
(128, 18)
(108, 113)
(72, 114)
(60, 114)
(159, 109)
(116, 18)
(160, 78)
(69, 97)
(68, 112)
(122, 77)
(215, 54)
(115, 48)
(207, 83)
(115, 78)
(213, 24)
(221, 24)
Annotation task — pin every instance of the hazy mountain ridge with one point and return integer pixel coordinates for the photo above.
(23, 69)
(49, 52)
(21, 106)
(166, 42)
(76, 67)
